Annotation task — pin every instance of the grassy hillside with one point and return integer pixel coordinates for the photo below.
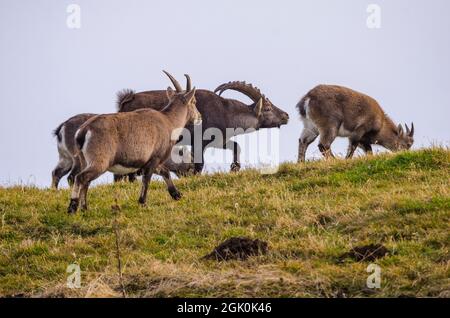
(309, 214)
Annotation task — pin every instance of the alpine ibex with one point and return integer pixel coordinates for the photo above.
(127, 142)
(65, 135)
(217, 112)
(331, 111)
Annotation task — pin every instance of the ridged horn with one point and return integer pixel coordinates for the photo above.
(247, 89)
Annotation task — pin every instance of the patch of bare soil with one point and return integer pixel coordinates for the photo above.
(367, 253)
(238, 248)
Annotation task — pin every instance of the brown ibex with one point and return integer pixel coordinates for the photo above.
(336, 111)
(65, 135)
(128, 142)
(217, 112)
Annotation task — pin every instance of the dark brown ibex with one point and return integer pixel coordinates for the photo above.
(332, 111)
(65, 135)
(217, 112)
(127, 142)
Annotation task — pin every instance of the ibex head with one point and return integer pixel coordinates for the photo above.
(268, 115)
(398, 138)
(186, 97)
(405, 138)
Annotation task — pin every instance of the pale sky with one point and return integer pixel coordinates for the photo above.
(49, 72)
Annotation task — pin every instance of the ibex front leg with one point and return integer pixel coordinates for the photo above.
(236, 149)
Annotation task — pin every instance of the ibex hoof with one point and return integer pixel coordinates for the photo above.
(73, 206)
(235, 167)
(175, 194)
(142, 202)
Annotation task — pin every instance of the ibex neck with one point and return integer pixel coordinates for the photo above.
(177, 115)
(386, 136)
(241, 116)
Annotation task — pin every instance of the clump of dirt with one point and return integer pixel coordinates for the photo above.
(238, 248)
(368, 253)
(324, 220)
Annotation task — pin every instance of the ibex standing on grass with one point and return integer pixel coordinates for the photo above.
(128, 142)
(217, 112)
(65, 135)
(334, 111)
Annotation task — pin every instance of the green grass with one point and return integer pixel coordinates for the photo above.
(310, 214)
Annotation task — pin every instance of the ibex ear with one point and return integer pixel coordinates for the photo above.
(259, 107)
(189, 95)
(170, 93)
(399, 130)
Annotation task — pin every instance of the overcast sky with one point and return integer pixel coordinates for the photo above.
(49, 72)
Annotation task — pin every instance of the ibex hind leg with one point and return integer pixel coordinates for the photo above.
(199, 158)
(85, 177)
(173, 191)
(62, 168)
(81, 186)
(307, 137)
(147, 173)
(326, 139)
(76, 168)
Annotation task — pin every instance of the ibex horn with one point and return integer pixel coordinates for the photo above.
(188, 83)
(407, 129)
(174, 82)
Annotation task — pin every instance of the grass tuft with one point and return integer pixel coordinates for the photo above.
(310, 214)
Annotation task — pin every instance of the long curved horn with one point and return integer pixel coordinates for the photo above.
(247, 89)
(411, 133)
(188, 82)
(174, 82)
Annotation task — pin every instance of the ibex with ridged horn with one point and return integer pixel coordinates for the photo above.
(332, 111)
(217, 112)
(128, 142)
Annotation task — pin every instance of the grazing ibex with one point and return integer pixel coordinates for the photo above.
(65, 135)
(331, 111)
(127, 142)
(217, 112)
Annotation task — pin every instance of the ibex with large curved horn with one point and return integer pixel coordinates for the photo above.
(332, 111)
(217, 112)
(128, 142)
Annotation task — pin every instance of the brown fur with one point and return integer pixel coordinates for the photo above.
(67, 149)
(329, 111)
